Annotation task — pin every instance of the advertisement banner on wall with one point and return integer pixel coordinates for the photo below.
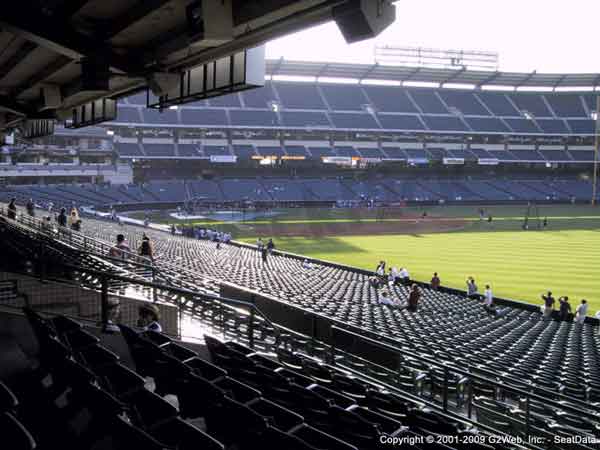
(223, 159)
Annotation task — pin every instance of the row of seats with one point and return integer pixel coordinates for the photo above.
(355, 121)
(305, 190)
(386, 99)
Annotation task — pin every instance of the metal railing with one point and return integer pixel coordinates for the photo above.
(52, 260)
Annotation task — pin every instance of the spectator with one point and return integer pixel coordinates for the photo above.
(413, 298)
(149, 317)
(264, 253)
(306, 264)
(548, 304)
(581, 312)
(173, 229)
(30, 207)
(384, 299)
(77, 225)
(375, 282)
(435, 282)
(47, 224)
(270, 246)
(472, 291)
(120, 249)
(12, 209)
(488, 300)
(404, 276)
(564, 308)
(380, 271)
(260, 244)
(146, 249)
(73, 218)
(62, 218)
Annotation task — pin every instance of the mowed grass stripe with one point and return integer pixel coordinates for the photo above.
(520, 265)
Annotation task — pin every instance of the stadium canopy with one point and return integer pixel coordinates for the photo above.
(477, 78)
(56, 55)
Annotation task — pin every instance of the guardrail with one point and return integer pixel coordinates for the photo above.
(235, 319)
(318, 328)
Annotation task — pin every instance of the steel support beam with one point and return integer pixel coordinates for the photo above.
(20, 55)
(60, 37)
(41, 75)
(142, 9)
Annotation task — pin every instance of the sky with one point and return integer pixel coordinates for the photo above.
(550, 36)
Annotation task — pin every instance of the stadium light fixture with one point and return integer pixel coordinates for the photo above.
(527, 115)
(594, 115)
(173, 107)
(110, 132)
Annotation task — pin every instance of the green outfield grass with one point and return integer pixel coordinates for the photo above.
(520, 265)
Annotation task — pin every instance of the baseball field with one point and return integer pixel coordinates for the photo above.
(563, 256)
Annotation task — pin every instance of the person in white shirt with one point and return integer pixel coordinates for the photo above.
(488, 301)
(306, 264)
(488, 296)
(384, 299)
(581, 312)
(404, 276)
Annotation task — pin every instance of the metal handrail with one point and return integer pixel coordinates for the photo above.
(173, 289)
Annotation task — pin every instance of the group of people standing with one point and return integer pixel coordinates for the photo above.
(64, 220)
(564, 312)
(265, 249)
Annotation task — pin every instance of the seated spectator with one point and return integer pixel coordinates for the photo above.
(375, 282)
(120, 249)
(149, 317)
(384, 299)
(435, 282)
(306, 264)
(47, 224)
(581, 312)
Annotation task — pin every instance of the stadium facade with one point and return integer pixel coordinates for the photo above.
(346, 132)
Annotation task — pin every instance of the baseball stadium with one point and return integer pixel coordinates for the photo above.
(207, 247)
